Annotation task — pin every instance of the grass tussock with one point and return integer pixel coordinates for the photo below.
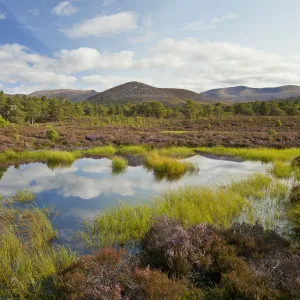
(190, 206)
(282, 170)
(49, 156)
(102, 151)
(133, 150)
(259, 186)
(118, 164)
(27, 258)
(24, 196)
(176, 152)
(168, 167)
(256, 154)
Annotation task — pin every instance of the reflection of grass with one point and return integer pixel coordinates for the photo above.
(133, 150)
(24, 196)
(118, 164)
(102, 151)
(190, 205)
(26, 256)
(167, 166)
(260, 154)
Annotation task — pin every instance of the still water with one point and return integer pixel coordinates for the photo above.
(81, 191)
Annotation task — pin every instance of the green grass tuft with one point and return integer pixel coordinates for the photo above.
(24, 196)
(102, 151)
(282, 170)
(168, 167)
(256, 154)
(118, 164)
(176, 152)
(133, 150)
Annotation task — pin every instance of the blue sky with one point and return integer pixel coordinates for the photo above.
(193, 44)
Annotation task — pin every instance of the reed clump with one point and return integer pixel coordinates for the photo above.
(24, 196)
(118, 164)
(133, 150)
(176, 152)
(256, 154)
(102, 151)
(189, 205)
(168, 166)
(27, 258)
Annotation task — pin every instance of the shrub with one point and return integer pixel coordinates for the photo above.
(52, 134)
(279, 123)
(3, 122)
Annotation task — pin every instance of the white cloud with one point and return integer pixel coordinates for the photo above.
(200, 25)
(82, 59)
(188, 63)
(2, 16)
(109, 25)
(64, 8)
(34, 11)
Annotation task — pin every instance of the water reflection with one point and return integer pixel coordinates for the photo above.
(85, 188)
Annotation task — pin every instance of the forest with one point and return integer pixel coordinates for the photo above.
(25, 109)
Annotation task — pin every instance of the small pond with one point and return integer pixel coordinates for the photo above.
(81, 191)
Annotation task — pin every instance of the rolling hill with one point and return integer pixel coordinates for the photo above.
(72, 95)
(138, 92)
(247, 94)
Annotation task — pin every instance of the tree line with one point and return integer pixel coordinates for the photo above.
(21, 109)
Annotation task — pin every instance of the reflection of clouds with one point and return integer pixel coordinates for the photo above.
(89, 178)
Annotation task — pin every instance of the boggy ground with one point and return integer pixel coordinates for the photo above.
(90, 132)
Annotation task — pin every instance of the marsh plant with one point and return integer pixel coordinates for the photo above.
(168, 167)
(24, 196)
(27, 258)
(118, 164)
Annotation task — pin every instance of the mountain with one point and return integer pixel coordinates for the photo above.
(245, 94)
(139, 92)
(72, 95)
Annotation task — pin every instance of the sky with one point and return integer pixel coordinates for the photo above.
(192, 44)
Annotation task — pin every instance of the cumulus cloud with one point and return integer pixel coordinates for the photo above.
(2, 16)
(83, 59)
(64, 8)
(108, 25)
(200, 25)
(19, 66)
(188, 63)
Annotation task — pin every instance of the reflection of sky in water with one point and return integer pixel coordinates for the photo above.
(87, 187)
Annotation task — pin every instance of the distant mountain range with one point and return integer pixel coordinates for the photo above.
(72, 95)
(244, 93)
(140, 92)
